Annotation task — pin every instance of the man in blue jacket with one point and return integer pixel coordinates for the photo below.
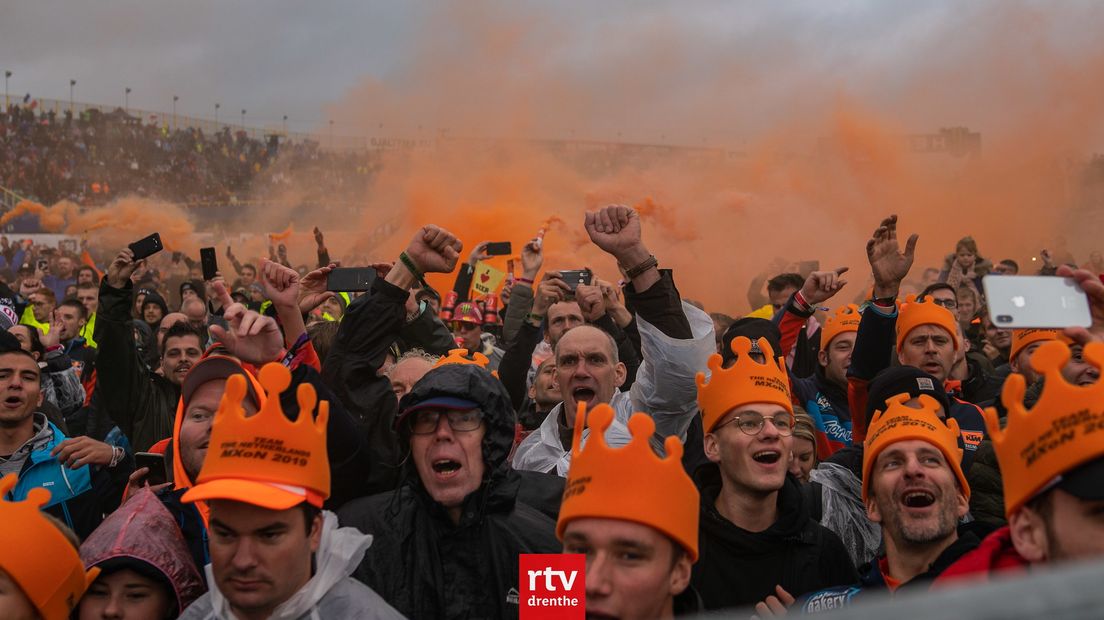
(85, 477)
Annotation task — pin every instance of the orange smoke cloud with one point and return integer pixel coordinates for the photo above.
(782, 156)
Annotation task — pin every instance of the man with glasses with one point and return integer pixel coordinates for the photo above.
(446, 542)
(756, 533)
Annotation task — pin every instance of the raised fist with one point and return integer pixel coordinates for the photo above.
(434, 249)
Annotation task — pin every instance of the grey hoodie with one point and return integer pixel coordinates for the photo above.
(330, 593)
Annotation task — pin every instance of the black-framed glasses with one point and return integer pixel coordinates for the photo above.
(425, 422)
(949, 304)
(751, 422)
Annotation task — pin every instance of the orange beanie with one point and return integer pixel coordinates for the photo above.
(38, 557)
(630, 483)
(913, 314)
(1022, 338)
(744, 383)
(266, 460)
(846, 319)
(900, 422)
(1060, 433)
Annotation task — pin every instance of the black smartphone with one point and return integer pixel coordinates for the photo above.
(500, 248)
(147, 247)
(351, 279)
(210, 263)
(575, 277)
(156, 465)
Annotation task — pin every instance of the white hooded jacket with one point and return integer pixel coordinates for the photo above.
(330, 593)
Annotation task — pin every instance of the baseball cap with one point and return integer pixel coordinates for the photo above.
(212, 368)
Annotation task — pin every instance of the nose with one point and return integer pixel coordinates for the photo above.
(244, 558)
(770, 431)
(598, 573)
(114, 607)
(443, 432)
(913, 468)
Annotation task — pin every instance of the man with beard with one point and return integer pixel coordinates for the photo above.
(140, 401)
(913, 486)
(923, 333)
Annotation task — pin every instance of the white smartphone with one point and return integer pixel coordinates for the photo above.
(1045, 302)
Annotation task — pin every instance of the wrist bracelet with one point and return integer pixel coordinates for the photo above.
(116, 456)
(649, 263)
(409, 264)
(800, 304)
(539, 318)
(885, 302)
(525, 281)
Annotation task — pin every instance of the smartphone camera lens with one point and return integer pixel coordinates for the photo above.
(1004, 318)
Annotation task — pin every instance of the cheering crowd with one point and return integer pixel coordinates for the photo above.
(260, 446)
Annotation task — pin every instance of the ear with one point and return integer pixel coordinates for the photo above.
(872, 511)
(712, 448)
(822, 357)
(316, 533)
(963, 504)
(680, 574)
(1029, 535)
(533, 390)
(901, 358)
(620, 373)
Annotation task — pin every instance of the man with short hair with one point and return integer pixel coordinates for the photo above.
(913, 486)
(274, 552)
(1051, 457)
(925, 332)
(676, 339)
(459, 500)
(542, 397)
(756, 530)
(139, 401)
(64, 278)
(85, 477)
(88, 293)
(543, 317)
(408, 370)
(70, 319)
(87, 275)
(1007, 267)
(40, 308)
(637, 503)
(781, 287)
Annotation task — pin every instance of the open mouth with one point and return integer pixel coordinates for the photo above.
(583, 395)
(446, 467)
(767, 457)
(13, 401)
(918, 499)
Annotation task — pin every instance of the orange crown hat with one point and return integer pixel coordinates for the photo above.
(38, 557)
(1060, 433)
(846, 319)
(744, 383)
(266, 460)
(629, 483)
(900, 422)
(913, 314)
(1023, 338)
(459, 356)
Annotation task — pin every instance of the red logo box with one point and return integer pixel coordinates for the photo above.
(553, 586)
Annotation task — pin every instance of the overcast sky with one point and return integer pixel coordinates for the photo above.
(277, 57)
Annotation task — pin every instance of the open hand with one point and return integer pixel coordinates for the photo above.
(251, 337)
(887, 262)
(532, 258)
(312, 288)
(478, 253)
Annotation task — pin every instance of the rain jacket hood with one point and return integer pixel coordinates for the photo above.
(475, 384)
(339, 552)
(143, 530)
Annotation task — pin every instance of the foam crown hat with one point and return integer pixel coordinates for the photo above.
(38, 557)
(746, 382)
(266, 459)
(845, 319)
(459, 356)
(900, 422)
(1064, 430)
(631, 482)
(913, 313)
(1023, 338)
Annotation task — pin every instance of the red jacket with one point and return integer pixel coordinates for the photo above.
(995, 554)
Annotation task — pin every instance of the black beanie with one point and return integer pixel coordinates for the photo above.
(900, 379)
(753, 329)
